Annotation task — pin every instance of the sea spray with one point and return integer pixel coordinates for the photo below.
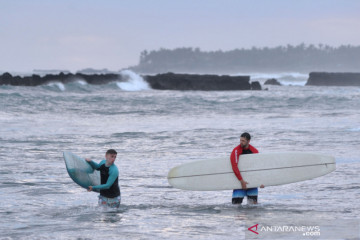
(134, 82)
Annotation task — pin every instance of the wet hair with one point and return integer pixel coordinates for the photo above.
(111, 151)
(246, 135)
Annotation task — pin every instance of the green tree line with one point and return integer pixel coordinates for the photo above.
(300, 58)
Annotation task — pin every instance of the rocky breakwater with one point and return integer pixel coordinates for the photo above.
(168, 81)
(36, 80)
(172, 81)
(333, 79)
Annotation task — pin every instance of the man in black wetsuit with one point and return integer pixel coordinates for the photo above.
(109, 188)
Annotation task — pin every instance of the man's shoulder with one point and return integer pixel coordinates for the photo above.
(114, 168)
(238, 147)
(253, 149)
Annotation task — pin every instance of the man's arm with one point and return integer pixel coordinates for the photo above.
(234, 158)
(93, 164)
(234, 163)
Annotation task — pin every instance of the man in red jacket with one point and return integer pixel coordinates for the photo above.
(243, 148)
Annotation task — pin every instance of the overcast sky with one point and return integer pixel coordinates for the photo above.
(76, 34)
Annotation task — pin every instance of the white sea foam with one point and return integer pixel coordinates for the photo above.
(292, 83)
(134, 82)
(81, 82)
(59, 85)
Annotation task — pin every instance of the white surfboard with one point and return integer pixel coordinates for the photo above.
(268, 169)
(80, 171)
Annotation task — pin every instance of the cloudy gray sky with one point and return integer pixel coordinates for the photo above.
(67, 34)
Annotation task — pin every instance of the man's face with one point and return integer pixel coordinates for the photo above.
(244, 143)
(110, 158)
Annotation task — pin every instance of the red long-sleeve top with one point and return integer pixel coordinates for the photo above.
(234, 158)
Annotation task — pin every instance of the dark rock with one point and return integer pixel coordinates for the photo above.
(255, 86)
(16, 81)
(333, 79)
(171, 81)
(5, 79)
(272, 81)
(6, 75)
(98, 78)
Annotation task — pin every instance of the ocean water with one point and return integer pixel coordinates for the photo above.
(154, 131)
